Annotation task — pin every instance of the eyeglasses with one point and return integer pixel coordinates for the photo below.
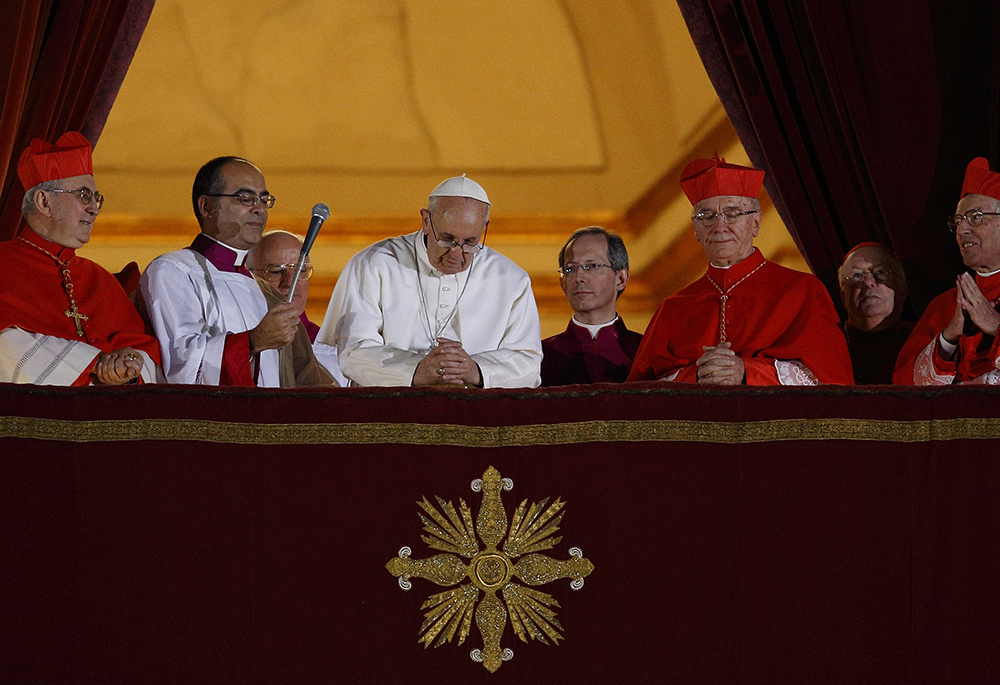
(249, 199)
(275, 272)
(973, 216)
(85, 195)
(585, 268)
(880, 276)
(467, 248)
(730, 216)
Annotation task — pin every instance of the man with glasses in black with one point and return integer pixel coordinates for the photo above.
(873, 290)
(747, 320)
(596, 346)
(215, 323)
(437, 307)
(955, 341)
(64, 320)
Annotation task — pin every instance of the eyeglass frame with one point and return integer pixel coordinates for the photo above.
(730, 217)
(244, 196)
(449, 245)
(965, 217)
(570, 270)
(849, 279)
(307, 271)
(80, 195)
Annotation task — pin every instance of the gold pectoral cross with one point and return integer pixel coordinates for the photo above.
(77, 317)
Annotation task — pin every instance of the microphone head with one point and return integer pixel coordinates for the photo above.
(322, 211)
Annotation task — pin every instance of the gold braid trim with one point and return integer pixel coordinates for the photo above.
(728, 433)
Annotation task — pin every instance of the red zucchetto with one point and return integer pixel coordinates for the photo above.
(41, 161)
(704, 178)
(980, 180)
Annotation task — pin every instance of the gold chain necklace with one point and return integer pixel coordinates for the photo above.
(67, 284)
(724, 297)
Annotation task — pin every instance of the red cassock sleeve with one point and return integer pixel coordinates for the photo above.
(776, 314)
(236, 369)
(934, 319)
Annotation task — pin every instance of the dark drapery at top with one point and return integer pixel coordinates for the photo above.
(61, 64)
(864, 115)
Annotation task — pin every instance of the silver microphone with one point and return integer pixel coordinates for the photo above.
(320, 213)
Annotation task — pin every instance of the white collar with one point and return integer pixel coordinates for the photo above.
(594, 328)
(241, 255)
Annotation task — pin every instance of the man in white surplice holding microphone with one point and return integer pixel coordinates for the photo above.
(437, 307)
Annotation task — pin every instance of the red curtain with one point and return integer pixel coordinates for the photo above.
(62, 63)
(864, 115)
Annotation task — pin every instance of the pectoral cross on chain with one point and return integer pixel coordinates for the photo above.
(77, 317)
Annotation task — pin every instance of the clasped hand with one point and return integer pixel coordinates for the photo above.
(719, 365)
(972, 303)
(447, 364)
(118, 367)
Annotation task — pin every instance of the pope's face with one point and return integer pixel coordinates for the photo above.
(228, 220)
(460, 220)
(980, 245)
(726, 244)
(69, 221)
(872, 302)
(592, 294)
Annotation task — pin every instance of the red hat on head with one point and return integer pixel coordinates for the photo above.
(980, 180)
(41, 162)
(704, 178)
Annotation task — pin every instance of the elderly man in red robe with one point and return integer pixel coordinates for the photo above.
(596, 347)
(63, 319)
(955, 341)
(747, 320)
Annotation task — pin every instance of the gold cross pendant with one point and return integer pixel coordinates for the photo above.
(77, 317)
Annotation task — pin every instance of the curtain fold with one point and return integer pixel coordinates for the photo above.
(864, 115)
(63, 63)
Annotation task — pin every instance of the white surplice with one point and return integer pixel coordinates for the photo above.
(193, 306)
(382, 327)
(27, 357)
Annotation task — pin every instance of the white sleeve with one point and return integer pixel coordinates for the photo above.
(517, 362)
(191, 341)
(354, 323)
(27, 357)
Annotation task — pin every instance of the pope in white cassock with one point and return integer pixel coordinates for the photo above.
(437, 307)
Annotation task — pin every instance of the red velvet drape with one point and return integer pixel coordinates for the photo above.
(61, 64)
(864, 114)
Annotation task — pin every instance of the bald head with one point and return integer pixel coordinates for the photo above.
(872, 288)
(273, 259)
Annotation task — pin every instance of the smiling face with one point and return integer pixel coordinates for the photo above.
(61, 217)
(228, 220)
(980, 245)
(455, 219)
(872, 305)
(592, 294)
(726, 244)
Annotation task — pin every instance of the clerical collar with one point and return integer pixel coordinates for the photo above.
(222, 256)
(62, 253)
(987, 275)
(594, 328)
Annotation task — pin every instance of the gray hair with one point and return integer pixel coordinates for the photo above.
(250, 262)
(617, 254)
(28, 203)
